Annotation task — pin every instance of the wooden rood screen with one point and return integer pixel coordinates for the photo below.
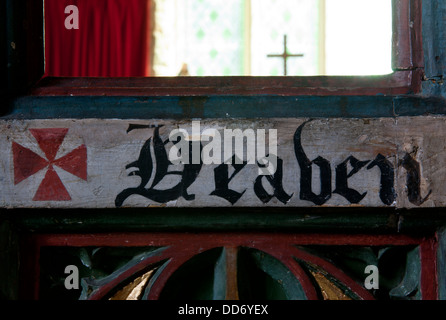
(249, 265)
(227, 188)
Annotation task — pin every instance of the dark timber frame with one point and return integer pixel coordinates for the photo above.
(31, 95)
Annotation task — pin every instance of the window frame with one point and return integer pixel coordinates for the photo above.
(407, 63)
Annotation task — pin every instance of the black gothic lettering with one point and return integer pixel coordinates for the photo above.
(222, 181)
(342, 176)
(276, 182)
(144, 169)
(306, 175)
(153, 169)
(134, 126)
(413, 180)
(387, 191)
(161, 158)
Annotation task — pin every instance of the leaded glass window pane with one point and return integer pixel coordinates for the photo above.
(241, 37)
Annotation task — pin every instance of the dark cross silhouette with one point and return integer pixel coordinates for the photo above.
(285, 55)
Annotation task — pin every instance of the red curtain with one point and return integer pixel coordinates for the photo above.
(113, 39)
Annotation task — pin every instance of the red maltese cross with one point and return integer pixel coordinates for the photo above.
(28, 163)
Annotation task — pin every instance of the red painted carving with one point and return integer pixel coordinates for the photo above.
(75, 162)
(51, 188)
(28, 163)
(49, 140)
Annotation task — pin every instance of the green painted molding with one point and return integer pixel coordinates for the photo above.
(225, 107)
(339, 220)
(441, 263)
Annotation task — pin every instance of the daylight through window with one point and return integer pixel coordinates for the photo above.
(218, 37)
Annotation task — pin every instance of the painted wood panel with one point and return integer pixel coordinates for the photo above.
(105, 163)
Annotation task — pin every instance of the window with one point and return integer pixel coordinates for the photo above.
(243, 37)
(218, 38)
(406, 60)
